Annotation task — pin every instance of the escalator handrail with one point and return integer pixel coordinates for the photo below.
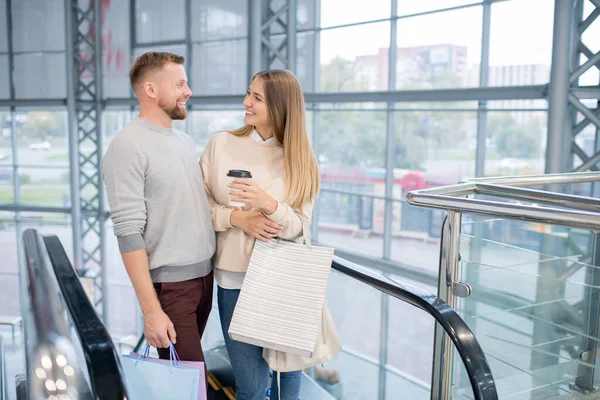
(102, 358)
(48, 342)
(478, 369)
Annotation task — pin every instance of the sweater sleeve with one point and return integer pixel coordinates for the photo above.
(291, 220)
(220, 213)
(123, 172)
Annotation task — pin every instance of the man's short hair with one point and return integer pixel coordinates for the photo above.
(151, 62)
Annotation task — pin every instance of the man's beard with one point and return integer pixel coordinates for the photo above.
(175, 112)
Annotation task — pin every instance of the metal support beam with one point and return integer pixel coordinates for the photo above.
(472, 276)
(84, 68)
(277, 34)
(442, 347)
(590, 115)
(70, 29)
(291, 35)
(390, 156)
(390, 161)
(254, 37)
(558, 111)
(584, 67)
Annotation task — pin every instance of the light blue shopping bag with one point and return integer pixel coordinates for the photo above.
(148, 379)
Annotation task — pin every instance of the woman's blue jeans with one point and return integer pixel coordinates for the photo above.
(250, 370)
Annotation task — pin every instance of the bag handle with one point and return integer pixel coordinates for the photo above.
(307, 236)
(173, 356)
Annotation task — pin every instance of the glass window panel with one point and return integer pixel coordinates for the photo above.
(3, 30)
(433, 148)
(516, 143)
(204, 124)
(5, 138)
(114, 261)
(45, 186)
(177, 49)
(38, 25)
(8, 243)
(158, 20)
(219, 68)
(45, 223)
(122, 301)
(418, 228)
(306, 14)
(7, 190)
(351, 63)
(218, 19)
(356, 311)
(591, 36)
(521, 42)
(443, 105)
(429, 57)
(517, 104)
(4, 77)
(350, 222)
(310, 125)
(42, 138)
(409, 354)
(112, 122)
(50, 224)
(305, 61)
(116, 49)
(414, 7)
(10, 304)
(586, 140)
(40, 75)
(122, 308)
(351, 143)
(357, 11)
(591, 77)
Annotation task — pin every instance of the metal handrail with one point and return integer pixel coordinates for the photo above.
(52, 365)
(568, 210)
(541, 179)
(478, 369)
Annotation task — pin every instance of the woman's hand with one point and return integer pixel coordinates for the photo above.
(255, 224)
(249, 193)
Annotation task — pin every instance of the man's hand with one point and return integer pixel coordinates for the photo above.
(255, 224)
(159, 330)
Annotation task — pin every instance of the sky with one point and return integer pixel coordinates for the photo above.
(521, 30)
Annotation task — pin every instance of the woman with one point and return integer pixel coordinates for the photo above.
(277, 201)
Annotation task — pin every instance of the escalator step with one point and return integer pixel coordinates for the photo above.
(216, 391)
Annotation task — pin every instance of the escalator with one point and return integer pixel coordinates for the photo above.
(63, 330)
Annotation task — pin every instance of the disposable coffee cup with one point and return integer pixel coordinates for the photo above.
(231, 175)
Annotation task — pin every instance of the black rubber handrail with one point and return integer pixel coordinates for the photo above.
(101, 356)
(48, 340)
(478, 369)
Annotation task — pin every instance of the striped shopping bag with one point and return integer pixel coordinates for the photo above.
(282, 298)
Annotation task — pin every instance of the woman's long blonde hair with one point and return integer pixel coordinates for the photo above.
(285, 102)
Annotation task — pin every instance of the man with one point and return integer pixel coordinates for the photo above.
(159, 209)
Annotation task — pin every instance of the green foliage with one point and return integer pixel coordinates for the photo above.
(514, 140)
(41, 124)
